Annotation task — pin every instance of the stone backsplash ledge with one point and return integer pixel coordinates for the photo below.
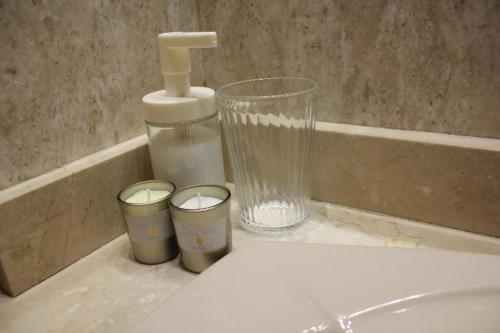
(51, 221)
(448, 180)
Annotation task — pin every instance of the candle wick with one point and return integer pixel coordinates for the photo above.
(199, 200)
(149, 195)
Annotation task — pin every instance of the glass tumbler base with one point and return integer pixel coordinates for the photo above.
(272, 217)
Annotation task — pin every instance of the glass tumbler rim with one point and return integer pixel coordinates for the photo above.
(312, 89)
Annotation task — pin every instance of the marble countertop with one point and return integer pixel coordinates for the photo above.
(108, 291)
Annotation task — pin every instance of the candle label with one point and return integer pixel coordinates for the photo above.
(202, 238)
(150, 227)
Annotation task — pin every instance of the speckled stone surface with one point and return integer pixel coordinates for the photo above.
(418, 65)
(109, 292)
(73, 74)
(51, 221)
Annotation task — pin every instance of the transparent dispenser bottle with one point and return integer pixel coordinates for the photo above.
(182, 121)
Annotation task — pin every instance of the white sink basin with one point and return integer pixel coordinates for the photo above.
(463, 310)
(306, 288)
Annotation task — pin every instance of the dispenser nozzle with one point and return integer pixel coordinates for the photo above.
(176, 61)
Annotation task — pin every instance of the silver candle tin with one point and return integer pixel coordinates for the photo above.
(204, 234)
(149, 224)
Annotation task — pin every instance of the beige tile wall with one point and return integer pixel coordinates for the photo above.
(73, 74)
(419, 65)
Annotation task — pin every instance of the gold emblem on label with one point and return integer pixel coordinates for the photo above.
(153, 231)
(199, 241)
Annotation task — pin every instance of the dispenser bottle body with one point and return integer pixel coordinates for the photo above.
(187, 153)
(182, 122)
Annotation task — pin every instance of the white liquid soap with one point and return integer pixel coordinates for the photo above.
(188, 161)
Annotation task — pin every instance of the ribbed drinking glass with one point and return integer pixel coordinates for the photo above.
(268, 124)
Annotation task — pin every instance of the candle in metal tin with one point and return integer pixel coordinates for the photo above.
(144, 207)
(201, 220)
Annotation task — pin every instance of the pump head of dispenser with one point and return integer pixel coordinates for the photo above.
(176, 61)
(179, 102)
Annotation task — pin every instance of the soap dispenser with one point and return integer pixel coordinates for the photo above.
(182, 121)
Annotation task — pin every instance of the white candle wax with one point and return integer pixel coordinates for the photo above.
(200, 201)
(147, 195)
